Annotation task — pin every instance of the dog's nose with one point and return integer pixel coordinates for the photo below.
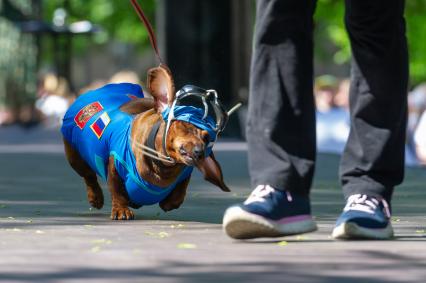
(198, 152)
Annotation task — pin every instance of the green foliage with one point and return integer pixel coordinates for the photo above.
(116, 17)
(330, 29)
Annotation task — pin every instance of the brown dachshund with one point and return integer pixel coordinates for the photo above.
(185, 144)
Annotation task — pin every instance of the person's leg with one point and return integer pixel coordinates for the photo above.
(281, 116)
(373, 160)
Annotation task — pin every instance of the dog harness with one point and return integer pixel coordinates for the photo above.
(96, 127)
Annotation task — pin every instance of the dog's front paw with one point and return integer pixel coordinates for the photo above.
(122, 213)
(167, 205)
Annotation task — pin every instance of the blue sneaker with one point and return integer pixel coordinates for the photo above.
(364, 217)
(268, 212)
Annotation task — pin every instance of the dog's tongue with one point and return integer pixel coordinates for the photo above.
(212, 172)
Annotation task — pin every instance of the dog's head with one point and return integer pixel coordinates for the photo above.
(185, 142)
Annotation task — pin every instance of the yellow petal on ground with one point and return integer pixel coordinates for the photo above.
(282, 243)
(301, 238)
(163, 234)
(178, 226)
(95, 249)
(420, 231)
(101, 241)
(186, 246)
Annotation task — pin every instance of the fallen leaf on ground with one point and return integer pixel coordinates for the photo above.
(186, 246)
(95, 249)
(420, 231)
(282, 243)
(101, 241)
(301, 238)
(163, 234)
(178, 226)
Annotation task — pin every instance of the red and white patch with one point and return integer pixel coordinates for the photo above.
(132, 97)
(100, 124)
(87, 112)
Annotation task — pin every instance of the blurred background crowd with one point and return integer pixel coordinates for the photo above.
(52, 51)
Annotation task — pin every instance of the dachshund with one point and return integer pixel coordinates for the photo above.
(105, 132)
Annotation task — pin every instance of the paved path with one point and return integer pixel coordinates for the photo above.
(49, 234)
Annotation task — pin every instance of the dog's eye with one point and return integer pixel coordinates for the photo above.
(205, 136)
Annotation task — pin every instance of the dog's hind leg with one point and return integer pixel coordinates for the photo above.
(175, 199)
(94, 191)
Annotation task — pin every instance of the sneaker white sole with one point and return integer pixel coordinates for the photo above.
(240, 224)
(350, 230)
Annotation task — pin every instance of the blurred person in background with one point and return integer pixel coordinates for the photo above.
(92, 86)
(341, 99)
(416, 107)
(125, 76)
(417, 121)
(54, 100)
(332, 114)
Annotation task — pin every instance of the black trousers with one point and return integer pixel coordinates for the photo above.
(281, 117)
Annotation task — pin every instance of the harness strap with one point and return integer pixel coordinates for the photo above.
(150, 142)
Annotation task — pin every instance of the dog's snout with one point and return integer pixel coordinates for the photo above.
(198, 152)
(182, 150)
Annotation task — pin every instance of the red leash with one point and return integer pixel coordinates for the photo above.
(148, 26)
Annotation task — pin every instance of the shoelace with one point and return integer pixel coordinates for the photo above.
(260, 193)
(366, 204)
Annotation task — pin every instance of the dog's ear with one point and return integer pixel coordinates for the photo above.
(160, 84)
(212, 172)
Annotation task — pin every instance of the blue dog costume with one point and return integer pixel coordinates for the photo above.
(97, 129)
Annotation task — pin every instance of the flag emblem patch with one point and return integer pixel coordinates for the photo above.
(87, 112)
(132, 97)
(100, 124)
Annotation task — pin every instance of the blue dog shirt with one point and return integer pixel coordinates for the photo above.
(97, 129)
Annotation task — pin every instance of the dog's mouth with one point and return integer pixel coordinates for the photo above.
(191, 158)
(188, 160)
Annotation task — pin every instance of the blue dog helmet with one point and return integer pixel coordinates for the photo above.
(213, 112)
(199, 107)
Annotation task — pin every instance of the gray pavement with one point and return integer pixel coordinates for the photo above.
(48, 233)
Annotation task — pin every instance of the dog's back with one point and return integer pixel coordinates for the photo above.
(94, 119)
